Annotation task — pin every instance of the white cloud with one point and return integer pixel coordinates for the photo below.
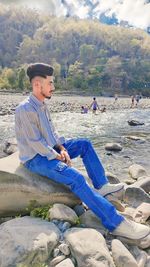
(137, 15)
(136, 12)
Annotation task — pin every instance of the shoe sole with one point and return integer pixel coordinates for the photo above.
(115, 191)
(129, 238)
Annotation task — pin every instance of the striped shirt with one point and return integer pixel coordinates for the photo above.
(35, 132)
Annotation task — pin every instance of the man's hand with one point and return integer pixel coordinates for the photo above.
(65, 157)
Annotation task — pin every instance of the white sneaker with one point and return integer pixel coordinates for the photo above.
(108, 188)
(131, 230)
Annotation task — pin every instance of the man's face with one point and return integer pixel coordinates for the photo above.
(47, 87)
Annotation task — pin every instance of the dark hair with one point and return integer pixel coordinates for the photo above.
(39, 69)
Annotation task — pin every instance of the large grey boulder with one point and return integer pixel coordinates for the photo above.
(137, 171)
(143, 182)
(135, 196)
(121, 255)
(140, 255)
(63, 213)
(113, 147)
(27, 240)
(90, 220)
(135, 123)
(88, 247)
(19, 188)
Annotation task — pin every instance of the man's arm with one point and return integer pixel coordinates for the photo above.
(27, 124)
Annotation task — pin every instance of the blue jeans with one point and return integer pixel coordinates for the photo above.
(62, 173)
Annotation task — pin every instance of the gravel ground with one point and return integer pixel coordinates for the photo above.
(70, 103)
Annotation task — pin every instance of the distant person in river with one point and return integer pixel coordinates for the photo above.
(137, 99)
(84, 109)
(116, 98)
(94, 105)
(43, 151)
(132, 101)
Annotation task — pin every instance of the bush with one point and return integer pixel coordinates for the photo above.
(41, 212)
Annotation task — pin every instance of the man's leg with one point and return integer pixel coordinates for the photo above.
(115, 223)
(83, 147)
(62, 173)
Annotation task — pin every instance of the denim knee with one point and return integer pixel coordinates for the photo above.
(86, 144)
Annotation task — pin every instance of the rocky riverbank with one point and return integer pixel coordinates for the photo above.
(68, 235)
(109, 127)
(74, 237)
(70, 103)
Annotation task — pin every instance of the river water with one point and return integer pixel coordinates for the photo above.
(102, 128)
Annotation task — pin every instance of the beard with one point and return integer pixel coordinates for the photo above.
(43, 94)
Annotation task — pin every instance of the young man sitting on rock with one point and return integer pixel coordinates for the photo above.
(43, 152)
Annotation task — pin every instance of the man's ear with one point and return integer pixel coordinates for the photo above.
(37, 83)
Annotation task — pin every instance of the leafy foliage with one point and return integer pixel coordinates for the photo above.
(87, 55)
(36, 210)
(41, 212)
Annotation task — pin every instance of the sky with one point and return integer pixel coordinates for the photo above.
(135, 12)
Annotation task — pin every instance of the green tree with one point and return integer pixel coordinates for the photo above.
(113, 69)
(8, 78)
(87, 54)
(21, 79)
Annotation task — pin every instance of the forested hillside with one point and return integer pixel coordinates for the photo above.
(88, 56)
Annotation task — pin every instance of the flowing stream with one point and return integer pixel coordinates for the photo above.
(102, 128)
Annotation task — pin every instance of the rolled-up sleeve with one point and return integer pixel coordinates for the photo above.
(28, 124)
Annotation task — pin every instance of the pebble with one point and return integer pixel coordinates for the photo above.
(64, 248)
(57, 260)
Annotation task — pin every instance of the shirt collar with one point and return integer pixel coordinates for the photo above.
(36, 101)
